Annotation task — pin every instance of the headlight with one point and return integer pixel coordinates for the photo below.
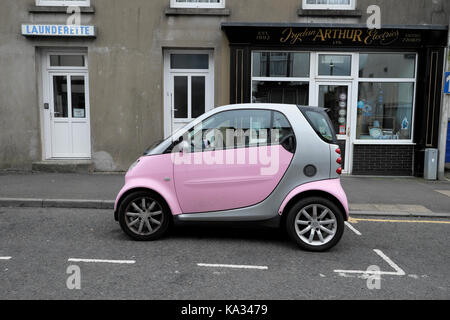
(134, 165)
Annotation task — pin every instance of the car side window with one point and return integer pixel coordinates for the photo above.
(282, 132)
(232, 129)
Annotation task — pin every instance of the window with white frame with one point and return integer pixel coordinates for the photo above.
(197, 3)
(330, 4)
(280, 77)
(386, 94)
(64, 3)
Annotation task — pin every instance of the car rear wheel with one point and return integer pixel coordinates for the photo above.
(144, 216)
(315, 224)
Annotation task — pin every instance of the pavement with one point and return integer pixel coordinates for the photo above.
(402, 196)
(58, 253)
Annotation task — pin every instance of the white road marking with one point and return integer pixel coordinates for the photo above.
(398, 270)
(5, 258)
(352, 228)
(444, 192)
(231, 266)
(102, 261)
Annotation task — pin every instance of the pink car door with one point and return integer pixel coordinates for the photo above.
(235, 160)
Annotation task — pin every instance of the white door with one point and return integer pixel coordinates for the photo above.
(336, 96)
(189, 87)
(66, 108)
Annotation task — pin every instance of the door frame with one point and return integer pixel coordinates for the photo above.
(348, 137)
(168, 75)
(352, 100)
(47, 73)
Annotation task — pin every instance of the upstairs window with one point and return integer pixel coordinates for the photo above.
(64, 3)
(329, 4)
(197, 3)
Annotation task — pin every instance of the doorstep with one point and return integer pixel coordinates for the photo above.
(64, 166)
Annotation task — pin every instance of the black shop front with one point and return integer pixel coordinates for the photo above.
(382, 88)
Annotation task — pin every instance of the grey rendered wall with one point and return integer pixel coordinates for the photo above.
(125, 66)
(19, 129)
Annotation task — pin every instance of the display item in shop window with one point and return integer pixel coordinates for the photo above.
(405, 124)
(376, 133)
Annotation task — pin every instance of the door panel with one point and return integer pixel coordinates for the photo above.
(61, 145)
(240, 183)
(69, 116)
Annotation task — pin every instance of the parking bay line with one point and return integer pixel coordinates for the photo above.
(352, 228)
(102, 261)
(356, 220)
(232, 266)
(398, 270)
(5, 258)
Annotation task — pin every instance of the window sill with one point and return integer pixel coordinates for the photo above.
(383, 142)
(196, 12)
(58, 9)
(329, 13)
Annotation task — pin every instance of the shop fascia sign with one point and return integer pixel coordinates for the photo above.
(58, 30)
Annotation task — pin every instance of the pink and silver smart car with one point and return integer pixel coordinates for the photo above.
(267, 163)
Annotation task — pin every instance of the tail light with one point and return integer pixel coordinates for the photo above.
(339, 171)
(339, 160)
(338, 151)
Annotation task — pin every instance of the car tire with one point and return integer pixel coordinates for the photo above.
(328, 221)
(144, 216)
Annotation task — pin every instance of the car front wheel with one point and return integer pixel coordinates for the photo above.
(315, 224)
(144, 216)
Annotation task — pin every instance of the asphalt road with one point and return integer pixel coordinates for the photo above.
(36, 244)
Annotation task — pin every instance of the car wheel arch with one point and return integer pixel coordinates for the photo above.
(310, 194)
(137, 189)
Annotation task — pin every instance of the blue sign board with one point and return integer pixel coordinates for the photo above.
(447, 83)
(57, 30)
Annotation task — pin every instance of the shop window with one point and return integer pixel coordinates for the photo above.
(280, 92)
(280, 64)
(280, 77)
(387, 65)
(386, 94)
(64, 3)
(197, 3)
(335, 65)
(329, 4)
(385, 111)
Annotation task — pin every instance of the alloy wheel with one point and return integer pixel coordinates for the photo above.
(144, 216)
(316, 224)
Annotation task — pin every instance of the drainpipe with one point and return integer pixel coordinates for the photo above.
(445, 114)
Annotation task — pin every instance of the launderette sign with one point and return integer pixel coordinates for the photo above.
(58, 30)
